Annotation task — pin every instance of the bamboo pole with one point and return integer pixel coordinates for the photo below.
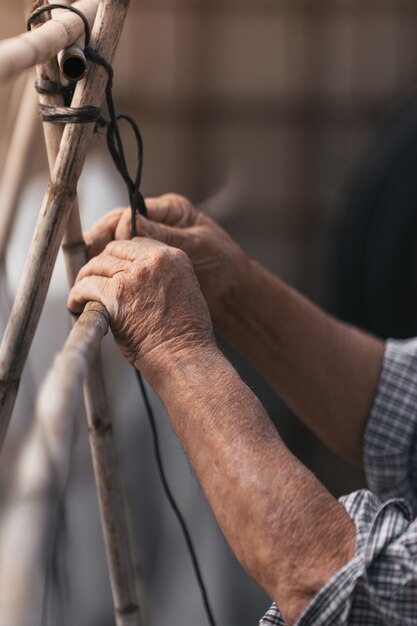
(41, 473)
(14, 170)
(109, 487)
(41, 44)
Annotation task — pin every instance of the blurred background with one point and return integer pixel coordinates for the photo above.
(293, 123)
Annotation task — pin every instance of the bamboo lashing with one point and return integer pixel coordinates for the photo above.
(109, 488)
(41, 44)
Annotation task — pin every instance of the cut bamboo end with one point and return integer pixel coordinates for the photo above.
(72, 63)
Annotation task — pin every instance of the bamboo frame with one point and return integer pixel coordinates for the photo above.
(109, 488)
(41, 44)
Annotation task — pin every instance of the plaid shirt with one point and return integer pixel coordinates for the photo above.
(378, 587)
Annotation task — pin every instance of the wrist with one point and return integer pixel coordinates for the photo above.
(174, 360)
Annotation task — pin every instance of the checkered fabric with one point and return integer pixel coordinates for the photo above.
(378, 587)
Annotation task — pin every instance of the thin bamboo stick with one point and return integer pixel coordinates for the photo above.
(40, 475)
(112, 505)
(41, 44)
(10, 100)
(109, 487)
(14, 170)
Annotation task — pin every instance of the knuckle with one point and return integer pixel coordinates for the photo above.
(162, 254)
(111, 247)
(162, 257)
(115, 213)
(172, 198)
(179, 255)
(177, 200)
(179, 258)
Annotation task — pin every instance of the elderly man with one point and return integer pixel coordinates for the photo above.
(321, 561)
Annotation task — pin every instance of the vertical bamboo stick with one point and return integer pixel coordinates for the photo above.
(109, 486)
(12, 98)
(14, 170)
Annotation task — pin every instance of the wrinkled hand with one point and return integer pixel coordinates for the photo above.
(153, 298)
(219, 263)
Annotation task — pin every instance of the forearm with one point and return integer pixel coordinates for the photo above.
(287, 531)
(326, 371)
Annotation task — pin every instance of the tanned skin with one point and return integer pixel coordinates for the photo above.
(163, 291)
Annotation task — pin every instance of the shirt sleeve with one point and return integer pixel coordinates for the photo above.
(379, 585)
(390, 442)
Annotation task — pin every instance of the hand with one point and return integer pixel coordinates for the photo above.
(220, 265)
(153, 299)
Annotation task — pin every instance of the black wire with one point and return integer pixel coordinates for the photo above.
(68, 115)
(115, 143)
(172, 501)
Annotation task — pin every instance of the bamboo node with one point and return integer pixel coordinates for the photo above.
(99, 428)
(6, 385)
(127, 610)
(61, 190)
(74, 245)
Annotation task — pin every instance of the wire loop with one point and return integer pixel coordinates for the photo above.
(50, 7)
